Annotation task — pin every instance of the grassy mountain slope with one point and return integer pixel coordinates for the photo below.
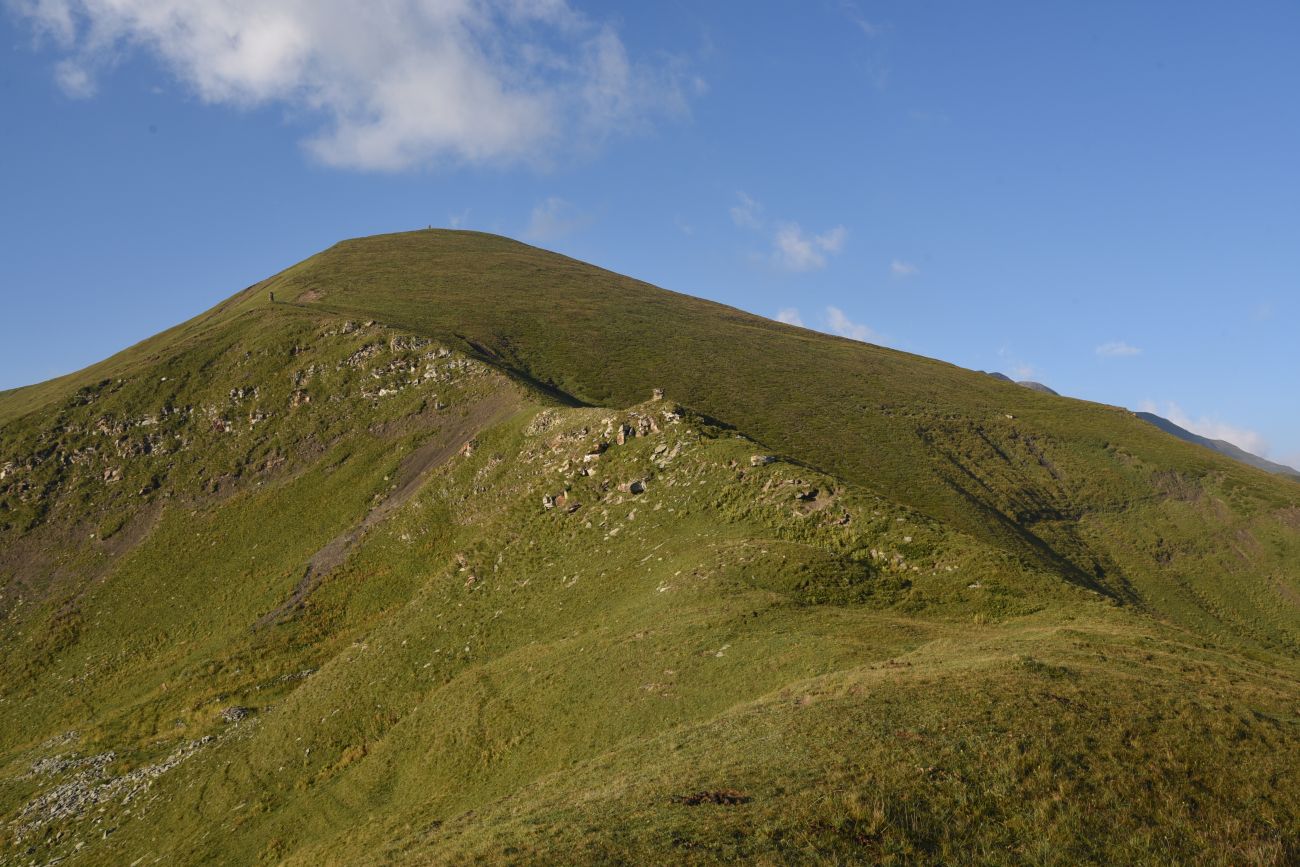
(406, 568)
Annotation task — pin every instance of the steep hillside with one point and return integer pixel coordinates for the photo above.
(415, 565)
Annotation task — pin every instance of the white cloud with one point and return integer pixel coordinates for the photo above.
(747, 213)
(397, 84)
(839, 323)
(797, 251)
(554, 218)
(1017, 368)
(832, 241)
(458, 221)
(74, 81)
(790, 316)
(1213, 428)
(899, 268)
(50, 18)
(1020, 371)
(1117, 349)
(792, 248)
(854, 14)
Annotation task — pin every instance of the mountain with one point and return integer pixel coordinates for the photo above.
(1039, 387)
(1223, 447)
(1025, 383)
(461, 551)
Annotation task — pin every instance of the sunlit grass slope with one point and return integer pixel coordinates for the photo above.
(408, 567)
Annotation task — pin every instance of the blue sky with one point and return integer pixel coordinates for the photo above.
(1103, 196)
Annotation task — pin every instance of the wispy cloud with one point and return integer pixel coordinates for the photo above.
(854, 13)
(839, 323)
(796, 250)
(747, 213)
(793, 248)
(834, 321)
(458, 221)
(899, 268)
(1117, 349)
(873, 62)
(1021, 371)
(554, 218)
(790, 316)
(397, 84)
(1017, 368)
(74, 80)
(1211, 427)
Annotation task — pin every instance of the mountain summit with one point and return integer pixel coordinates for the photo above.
(461, 551)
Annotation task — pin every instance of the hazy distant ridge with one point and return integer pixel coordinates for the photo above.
(1223, 447)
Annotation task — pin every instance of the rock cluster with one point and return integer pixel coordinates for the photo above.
(89, 787)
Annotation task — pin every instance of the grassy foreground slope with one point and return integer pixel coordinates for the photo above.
(407, 569)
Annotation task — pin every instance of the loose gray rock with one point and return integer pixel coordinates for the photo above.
(235, 713)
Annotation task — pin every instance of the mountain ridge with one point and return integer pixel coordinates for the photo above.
(702, 588)
(1221, 446)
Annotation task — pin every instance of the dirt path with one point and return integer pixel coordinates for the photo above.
(414, 469)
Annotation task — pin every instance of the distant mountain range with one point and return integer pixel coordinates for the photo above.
(1027, 383)
(1223, 447)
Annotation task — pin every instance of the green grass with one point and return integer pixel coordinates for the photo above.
(928, 633)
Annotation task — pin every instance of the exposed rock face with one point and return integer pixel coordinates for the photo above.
(235, 714)
(761, 460)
